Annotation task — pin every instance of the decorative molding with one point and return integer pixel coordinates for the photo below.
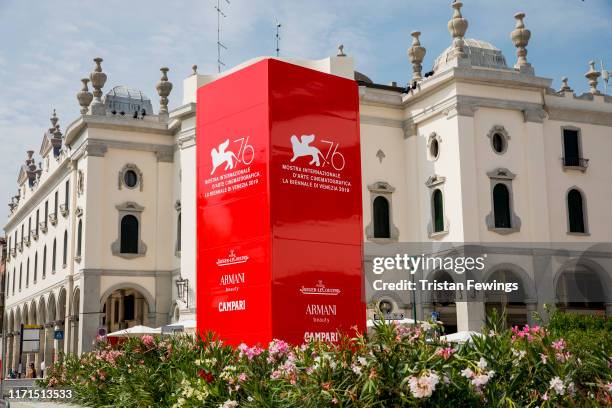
(430, 140)
(385, 190)
(563, 114)
(380, 155)
(63, 208)
(135, 169)
(378, 121)
(129, 208)
(80, 182)
(502, 176)
(78, 212)
(53, 219)
(434, 180)
(500, 130)
(501, 173)
(177, 205)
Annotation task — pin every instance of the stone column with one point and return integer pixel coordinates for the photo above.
(49, 343)
(9, 353)
(91, 310)
(16, 350)
(121, 307)
(74, 332)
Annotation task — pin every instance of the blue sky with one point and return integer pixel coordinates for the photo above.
(49, 45)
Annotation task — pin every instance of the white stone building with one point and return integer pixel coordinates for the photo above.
(475, 152)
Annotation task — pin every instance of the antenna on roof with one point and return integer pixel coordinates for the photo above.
(220, 45)
(278, 26)
(606, 77)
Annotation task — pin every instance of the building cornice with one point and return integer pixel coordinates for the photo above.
(148, 125)
(564, 114)
(99, 147)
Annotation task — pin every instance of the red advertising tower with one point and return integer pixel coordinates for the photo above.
(279, 219)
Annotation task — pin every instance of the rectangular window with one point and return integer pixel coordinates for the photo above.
(571, 148)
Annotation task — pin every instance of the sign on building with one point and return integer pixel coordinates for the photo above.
(30, 338)
(279, 215)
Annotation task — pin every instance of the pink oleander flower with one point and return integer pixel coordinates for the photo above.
(445, 352)
(242, 377)
(278, 348)
(148, 340)
(250, 352)
(334, 401)
(276, 374)
(544, 358)
(559, 344)
(424, 385)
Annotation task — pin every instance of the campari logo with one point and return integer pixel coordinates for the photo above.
(320, 289)
(302, 148)
(245, 153)
(232, 259)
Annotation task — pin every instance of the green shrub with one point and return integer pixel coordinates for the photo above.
(398, 366)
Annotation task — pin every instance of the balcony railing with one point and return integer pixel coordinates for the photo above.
(575, 163)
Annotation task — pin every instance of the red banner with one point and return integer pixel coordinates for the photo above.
(279, 205)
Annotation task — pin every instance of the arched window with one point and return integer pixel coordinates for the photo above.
(501, 206)
(575, 209)
(381, 218)
(79, 237)
(65, 252)
(437, 211)
(178, 233)
(35, 266)
(54, 256)
(129, 234)
(27, 273)
(44, 267)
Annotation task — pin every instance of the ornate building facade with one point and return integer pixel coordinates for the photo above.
(473, 151)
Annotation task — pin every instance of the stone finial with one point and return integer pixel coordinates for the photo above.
(341, 51)
(416, 53)
(54, 119)
(520, 37)
(163, 89)
(457, 26)
(565, 87)
(592, 76)
(84, 96)
(194, 67)
(98, 79)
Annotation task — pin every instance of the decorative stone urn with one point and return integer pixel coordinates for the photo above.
(416, 53)
(163, 89)
(98, 79)
(520, 37)
(84, 97)
(457, 27)
(593, 76)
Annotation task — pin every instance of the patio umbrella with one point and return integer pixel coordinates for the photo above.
(135, 331)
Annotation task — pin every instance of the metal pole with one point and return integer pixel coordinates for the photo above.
(20, 349)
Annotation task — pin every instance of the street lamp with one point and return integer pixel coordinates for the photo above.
(182, 288)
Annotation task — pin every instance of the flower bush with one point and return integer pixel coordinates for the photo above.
(397, 366)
